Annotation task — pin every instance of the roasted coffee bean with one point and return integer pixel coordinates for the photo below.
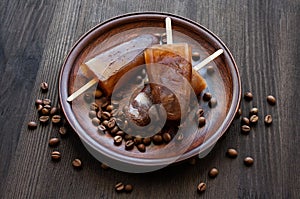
(248, 96)
(114, 130)
(45, 111)
(196, 56)
(213, 173)
(157, 139)
(44, 87)
(94, 106)
(101, 128)
(88, 97)
(201, 121)
(200, 112)
(248, 161)
(129, 144)
(54, 110)
(105, 123)
(128, 188)
(147, 141)
(268, 119)
(104, 105)
(253, 119)
(120, 133)
(271, 100)
(56, 119)
(99, 114)
(212, 102)
(109, 108)
(98, 94)
(47, 106)
(210, 70)
(105, 115)
(55, 155)
(115, 103)
(118, 140)
(62, 131)
(167, 137)
(238, 113)
(201, 187)
(54, 141)
(44, 119)
(38, 102)
(92, 114)
(139, 79)
(111, 123)
(246, 129)
(77, 163)
(119, 187)
(104, 166)
(141, 147)
(180, 137)
(232, 153)
(138, 140)
(46, 101)
(192, 161)
(40, 108)
(128, 137)
(245, 121)
(96, 121)
(32, 125)
(253, 111)
(207, 96)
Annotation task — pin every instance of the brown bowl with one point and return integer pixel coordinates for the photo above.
(224, 84)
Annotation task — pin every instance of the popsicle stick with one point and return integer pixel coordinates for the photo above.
(208, 59)
(82, 89)
(169, 31)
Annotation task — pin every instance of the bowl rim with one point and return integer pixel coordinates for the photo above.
(67, 107)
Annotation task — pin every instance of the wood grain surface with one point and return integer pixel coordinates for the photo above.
(263, 36)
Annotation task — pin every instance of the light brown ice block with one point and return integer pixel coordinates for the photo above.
(198, 82)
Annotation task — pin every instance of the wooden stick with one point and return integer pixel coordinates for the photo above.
(208, 59)
(169, 31)
(82, 89)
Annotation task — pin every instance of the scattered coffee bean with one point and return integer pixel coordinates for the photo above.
(141, 147)
(105, 123)
(56, 119)
(213, 173)
(46, 101)
(99, 114)
(118, 140)
(271, 100)
(147, 141)
(77, 163)
(96, 121)
(44, 87)
(54, 110)
(93, 114)
(109, 108)
(200, 112)
(128, 137)
(88, 97)
(62, 131)
(39, 108)
(245, 121)
(45, 111)
(94, 106)
(47, 106)
(98, 94)
(268, 119)
(238, 113)
(119, 187)
(32, 125)
(114, 130)
(232, 153)
(128, 188)
(201, 121)
(44, 119)
(104, 166)
(129, 144)
(210, 70)
(248, 96)
(253, 119)
(201, 187)
(105, 115)
(248, 161)
(55, 155)
(104, 105)
(196, 56)
(101, 128)
(139, 79)
(167, 137)
(212, 102)
(111, 123)
(120, 133)
(207, 96)
(246, 129)
(38, 102)
(54, 141)
(157, 139)
(253, 111)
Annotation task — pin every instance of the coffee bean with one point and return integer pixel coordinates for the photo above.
(120, 133)
(96, 121)
(128, 188)
(44, 119)
(105, 123)
(46, 101)
(45, 111)
(32, 125)
(139, 79)
(44, 87)
(128, 137)
(56, 119)
(212, 102)
(104, 166)
(141, 147)
(201, 187)
(77, 163)
(40, 108)
(271, 100)
(98, 94)
(245, 121)
(268, 119)
(88, 97)
(62, 131)
(238, 113)
(101, 128)
(254, 119)
(201, 121)
(47, 106)
(196, 56)
(54, 110)
(118, 140)
(253, 111)
(210, 70)
(248, 96)
(38, 102)
(157, 139)
(105, 115)
(94, 106)
(114, 130)
(119, 187)
(192, 161)
(92, 114)
(54, 141)
(246, 129)
(147, 141)
(111, 123)
(207, 96)
(109, 108)
(104, 105)
(232, 153)
(180, 137)
(129, 144)
(213, 173)
(167, 137)
(138, 140)
(248, 161)
(200, 112)
(55, 155)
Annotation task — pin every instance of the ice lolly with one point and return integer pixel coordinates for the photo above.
(110, 65)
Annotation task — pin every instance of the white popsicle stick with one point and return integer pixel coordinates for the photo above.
(82, 89)
(169, 31)
(208, 59)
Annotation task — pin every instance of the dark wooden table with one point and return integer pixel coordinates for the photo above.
(264, 39)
